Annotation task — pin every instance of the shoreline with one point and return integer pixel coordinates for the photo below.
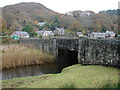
(91, 76)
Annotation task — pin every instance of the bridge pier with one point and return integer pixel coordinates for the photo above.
(81, 52)
(55, 48)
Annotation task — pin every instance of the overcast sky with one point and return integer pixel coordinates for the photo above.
(63, 6)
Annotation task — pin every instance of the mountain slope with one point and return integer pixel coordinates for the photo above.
(97, 21)
(14, 15)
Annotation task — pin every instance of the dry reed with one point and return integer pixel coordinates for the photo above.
(16, 55)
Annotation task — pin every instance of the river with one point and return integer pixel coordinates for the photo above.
(65, 59)
(33, 70)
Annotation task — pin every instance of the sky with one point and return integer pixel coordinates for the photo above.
(63, 6)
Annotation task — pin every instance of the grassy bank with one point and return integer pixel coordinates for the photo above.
(17, 55)
(76, 76)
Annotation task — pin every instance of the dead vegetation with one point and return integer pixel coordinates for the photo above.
(16, 55)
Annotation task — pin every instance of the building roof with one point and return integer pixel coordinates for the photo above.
(41, 23)
(79, 33)
(59, 28)
(110, 32)
(39, 32)
(96, 33)
(48, 32)
(21, 33)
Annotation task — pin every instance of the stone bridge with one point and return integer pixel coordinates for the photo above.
(85, 51)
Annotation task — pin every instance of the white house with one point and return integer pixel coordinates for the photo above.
(110, 34)
(86, 13)
(40, 32)
(20, 34)
(97, 35)
(59, 31)
(41, 23)
(47, 33)
(69, 13)
(79, 34)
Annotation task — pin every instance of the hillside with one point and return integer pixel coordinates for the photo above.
(90, 20)
(18, 15)
(0, 19)
(15, 15)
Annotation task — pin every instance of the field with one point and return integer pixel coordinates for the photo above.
(76, 76)
(15, 55)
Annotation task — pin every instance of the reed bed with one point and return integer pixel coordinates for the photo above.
(17, 55)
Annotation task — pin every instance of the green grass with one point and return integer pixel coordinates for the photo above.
(69, 86)
(76, 76)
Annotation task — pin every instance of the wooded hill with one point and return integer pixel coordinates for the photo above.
(18, 15)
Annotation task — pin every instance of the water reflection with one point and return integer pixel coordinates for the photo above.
(0, 74)
(34, 70)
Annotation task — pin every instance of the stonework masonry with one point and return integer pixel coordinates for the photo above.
(90, 51)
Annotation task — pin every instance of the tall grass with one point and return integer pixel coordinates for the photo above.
(68, 87)
(9, 40)
(109, 85)
(16, 55)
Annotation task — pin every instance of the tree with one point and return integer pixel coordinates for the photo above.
(3, 28)
(47, 25)
(56, 19)
(75, 25)
(58, 25)
(84, 32)
(53, 26)
(103, 29)
(41, 28)
(24, 23)
(91, 30)
(28, 29)
(34, 34)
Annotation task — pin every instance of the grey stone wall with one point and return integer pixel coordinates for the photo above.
(90, 51)
(99, 52)
(69, 44)
(47, 45)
